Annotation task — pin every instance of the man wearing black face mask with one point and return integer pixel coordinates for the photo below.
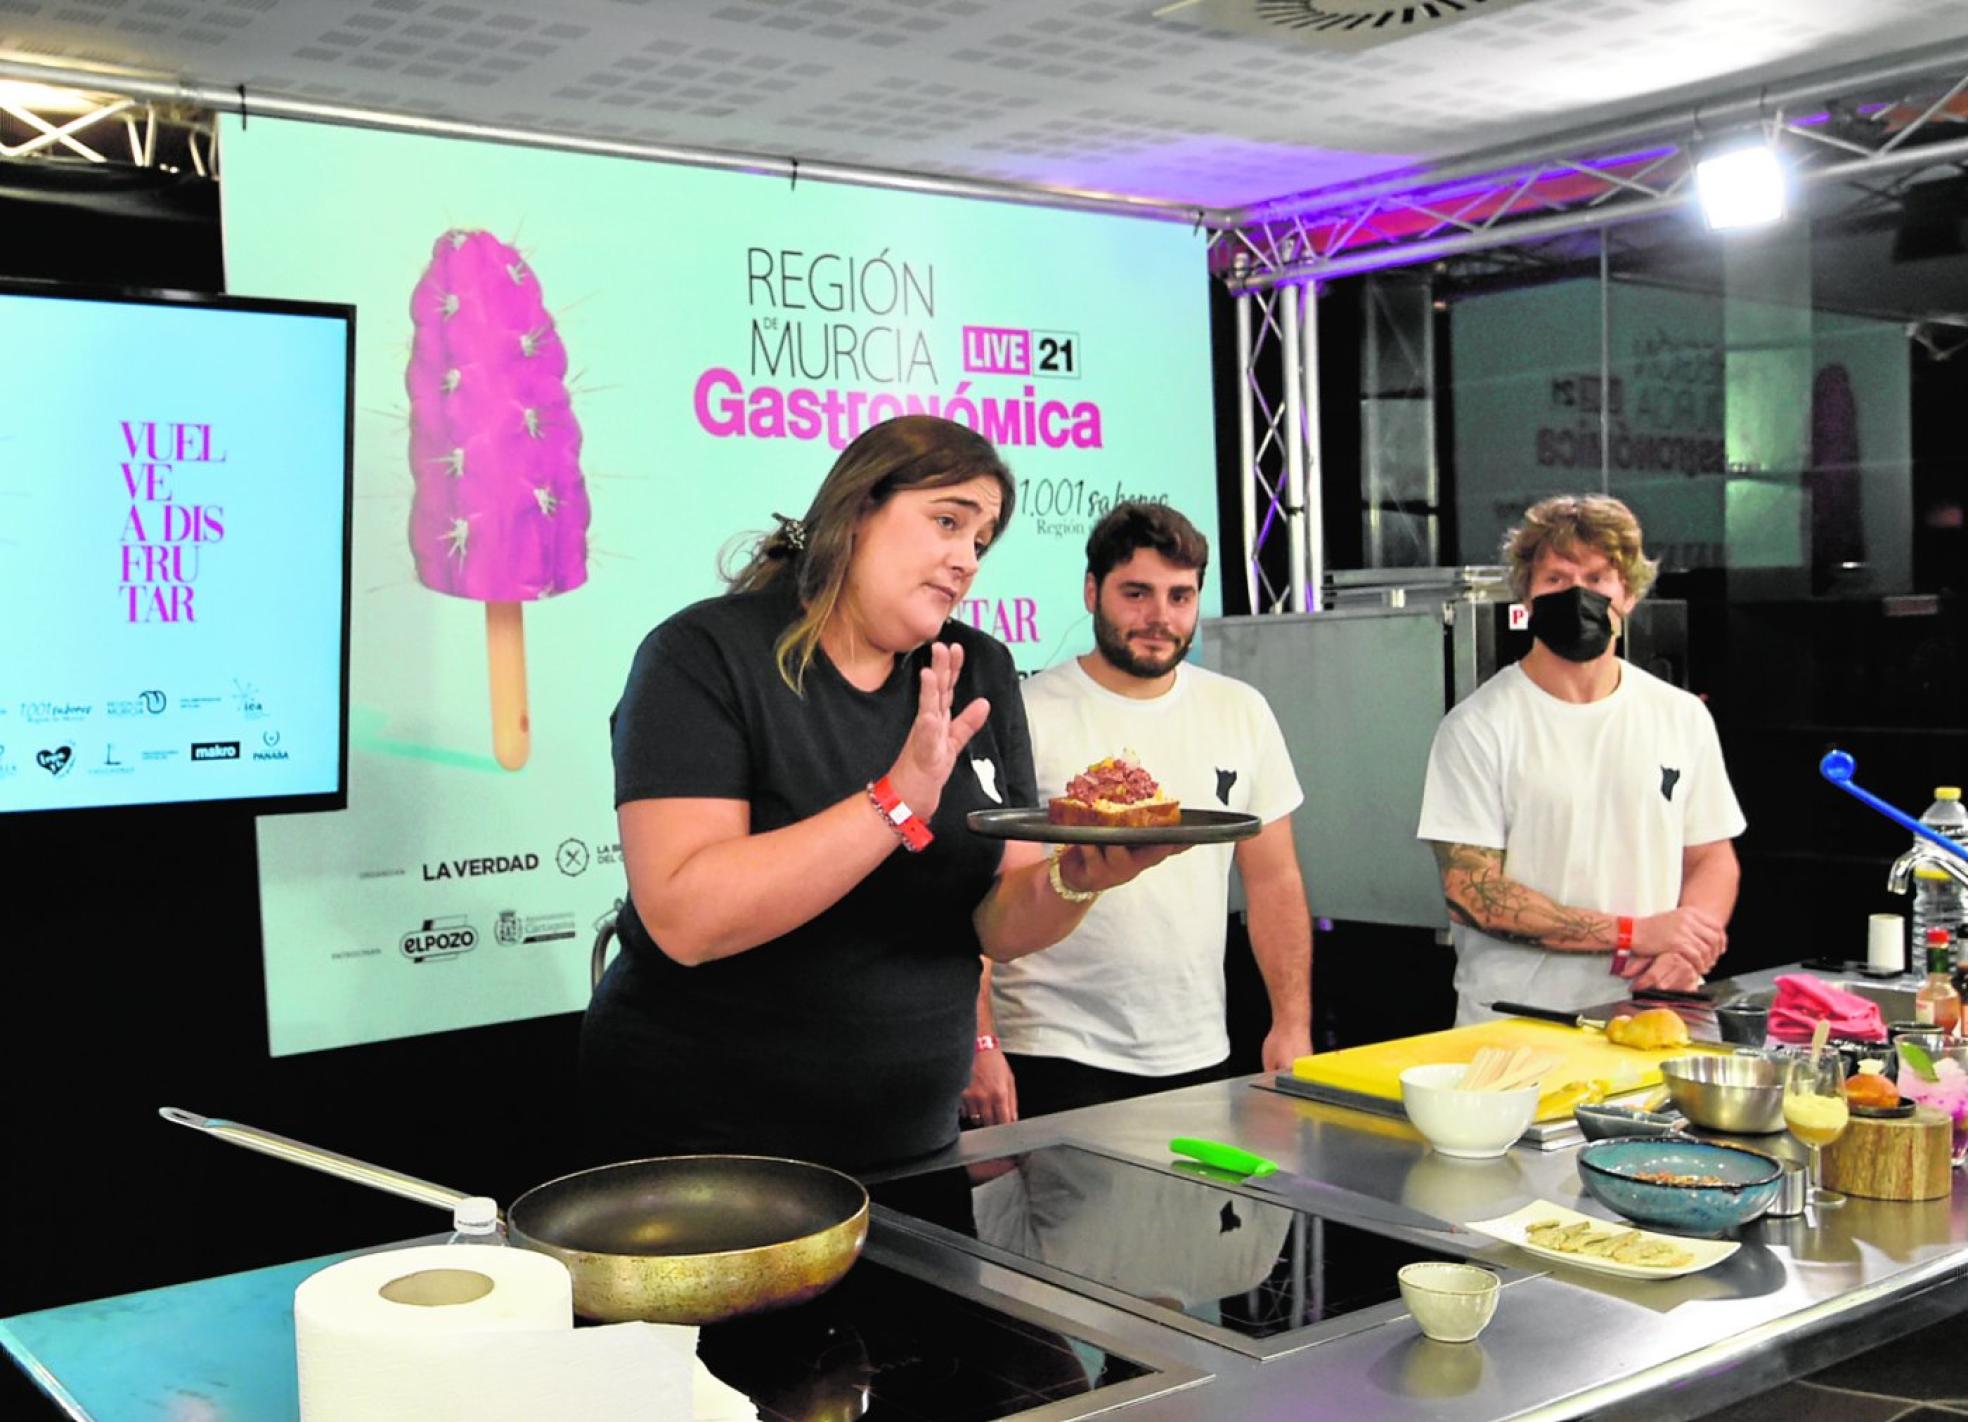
(1577, 805)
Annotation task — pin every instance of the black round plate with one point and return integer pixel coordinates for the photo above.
(1195, 827)
(1884, 1113)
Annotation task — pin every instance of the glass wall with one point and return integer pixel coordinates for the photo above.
(1770, 404)
(1787, 413)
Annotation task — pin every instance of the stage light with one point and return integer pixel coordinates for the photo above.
(44, 98)
(1743, 186)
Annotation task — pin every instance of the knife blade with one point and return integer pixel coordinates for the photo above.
(1692, 999)
(1699, 1020)
(1317, 1196)
(1550, 1014)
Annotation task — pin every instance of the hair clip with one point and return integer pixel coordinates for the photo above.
(792, 533)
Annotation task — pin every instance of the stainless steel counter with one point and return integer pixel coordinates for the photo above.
(1801, 1294)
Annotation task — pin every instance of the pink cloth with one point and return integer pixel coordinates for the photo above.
(1802, 999)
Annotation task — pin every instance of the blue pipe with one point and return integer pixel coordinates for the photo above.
(1838, 766)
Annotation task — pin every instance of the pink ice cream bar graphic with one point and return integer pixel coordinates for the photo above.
(501, 512)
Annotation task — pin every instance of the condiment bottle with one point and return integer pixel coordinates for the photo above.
(1937, 1002)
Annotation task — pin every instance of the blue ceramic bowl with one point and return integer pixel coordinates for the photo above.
(1612, 1171)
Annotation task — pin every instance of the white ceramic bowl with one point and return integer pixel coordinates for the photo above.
(1472, 1125)
(1452, 1302)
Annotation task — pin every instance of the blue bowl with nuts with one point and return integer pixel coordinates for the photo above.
(1679, 1183)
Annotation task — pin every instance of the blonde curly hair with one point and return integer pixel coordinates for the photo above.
(1567, 523)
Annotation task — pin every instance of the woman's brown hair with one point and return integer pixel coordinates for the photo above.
(909, 452)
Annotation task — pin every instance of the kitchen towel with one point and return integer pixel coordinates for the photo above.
(1802, 999)
(487, 1334)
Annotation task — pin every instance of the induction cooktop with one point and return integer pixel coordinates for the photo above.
(887, 1347)
(1192, 1252)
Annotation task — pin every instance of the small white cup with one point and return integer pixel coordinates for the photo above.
(1452, 1302)
(1886, 944)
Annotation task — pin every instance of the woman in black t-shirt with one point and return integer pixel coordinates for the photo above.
(793, 764)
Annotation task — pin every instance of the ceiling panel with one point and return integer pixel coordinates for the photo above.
(1094, 95)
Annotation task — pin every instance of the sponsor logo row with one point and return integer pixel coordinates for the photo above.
(455, 935)
(244, 696)
(63, 756)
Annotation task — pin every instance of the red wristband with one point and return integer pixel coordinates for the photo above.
(904, 821)
(1624, 923)
(986, 1042)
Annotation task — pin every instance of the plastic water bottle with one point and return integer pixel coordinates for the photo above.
(475, 1220)
(1939, 901)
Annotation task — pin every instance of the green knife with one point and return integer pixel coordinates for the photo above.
(1317, 1196)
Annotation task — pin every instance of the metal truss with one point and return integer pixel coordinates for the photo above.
(1277, 330)
(1879, 140)
(37, 121)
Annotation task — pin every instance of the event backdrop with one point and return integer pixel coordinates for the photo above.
(577, 379)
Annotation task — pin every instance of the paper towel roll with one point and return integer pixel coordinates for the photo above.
(1886, 943)
(443, 1331)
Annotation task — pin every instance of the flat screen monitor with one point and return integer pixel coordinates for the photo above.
(174, 550)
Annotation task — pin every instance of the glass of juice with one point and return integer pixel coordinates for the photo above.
(1814, 1109)
(1947, 1059)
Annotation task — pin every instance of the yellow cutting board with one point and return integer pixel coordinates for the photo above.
(1375, 1070)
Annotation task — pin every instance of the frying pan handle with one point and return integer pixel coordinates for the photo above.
(326, 1161)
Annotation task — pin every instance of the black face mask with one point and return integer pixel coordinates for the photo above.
(1577, 623)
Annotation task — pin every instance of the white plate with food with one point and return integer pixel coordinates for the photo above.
(1603, 1246)
(1193, 827)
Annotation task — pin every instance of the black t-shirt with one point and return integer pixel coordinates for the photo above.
(849, 1039)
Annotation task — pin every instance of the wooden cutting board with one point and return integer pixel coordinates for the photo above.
(1375, 1070)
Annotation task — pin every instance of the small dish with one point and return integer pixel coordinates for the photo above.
(1600, 1121)
(1743, 1022)
(1451, 1303)
(1883, 1113)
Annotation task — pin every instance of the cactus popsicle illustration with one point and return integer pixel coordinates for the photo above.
(500, 513)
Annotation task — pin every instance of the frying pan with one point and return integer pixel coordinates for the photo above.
(674, 1239)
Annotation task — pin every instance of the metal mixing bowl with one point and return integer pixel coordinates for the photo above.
(1742, 1095)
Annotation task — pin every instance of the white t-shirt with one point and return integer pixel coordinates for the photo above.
(1592, 805)
(1138, 986)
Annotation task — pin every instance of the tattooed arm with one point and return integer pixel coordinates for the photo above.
(1482, 896)
(1675, 948)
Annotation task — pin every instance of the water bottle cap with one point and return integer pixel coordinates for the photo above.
(1937, 936)
(1947, 792)
(476, 1212)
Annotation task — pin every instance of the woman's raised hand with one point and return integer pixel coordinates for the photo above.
(937, 738)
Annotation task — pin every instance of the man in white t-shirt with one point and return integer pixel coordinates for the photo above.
(1579, 806)
(1133, 1000)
